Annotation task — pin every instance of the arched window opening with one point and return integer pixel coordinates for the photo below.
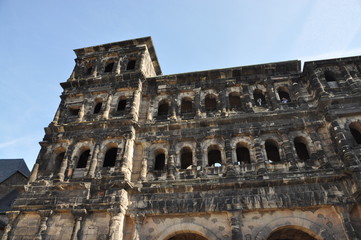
(234, 100)
(121, 105)
(110, 157)
(109, 67)
(259, 98)
(187, 236)
(89, 70)
(163, 108)
(186, 158)
(159, 163)
(210, 103)
(243, 155)
(330, 76)
(273, 154)
(356, 133)
(58, 161)
(284, 95)
(186, 105)
(214, 156)
(301, 148)
(83, 159)
(98, 108)
(291, 234)
(131, 65)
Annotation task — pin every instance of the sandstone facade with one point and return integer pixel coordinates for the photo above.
(259, 152)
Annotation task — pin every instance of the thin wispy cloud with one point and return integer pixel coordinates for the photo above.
(331, 25)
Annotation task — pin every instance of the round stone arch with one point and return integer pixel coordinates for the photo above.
(179, 146)
(79, 148)
(296, 223)
(246, 142)
(180, 228)
(209, 143)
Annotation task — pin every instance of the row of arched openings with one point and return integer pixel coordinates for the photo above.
(108, 161)
(211, 102)
(109, 67)
(214, 154)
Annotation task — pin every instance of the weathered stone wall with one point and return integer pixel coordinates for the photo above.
(255, 152)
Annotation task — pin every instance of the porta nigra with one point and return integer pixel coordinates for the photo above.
(262, 152)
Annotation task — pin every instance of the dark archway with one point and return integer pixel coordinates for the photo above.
(234, 100)
(272, 151)
(159, 163)
(301, 148)
(214, 156)
(259, 98)
(83, 159)
(187, 236)
(110, 157)
(163, 108)
(210, 103)
(290, 234)
(186, 157)
(186, 105)
(243, 155)
(355, 131)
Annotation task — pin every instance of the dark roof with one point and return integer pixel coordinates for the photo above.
(7, 200)
(10, 166)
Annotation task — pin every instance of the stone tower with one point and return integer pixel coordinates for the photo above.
(260, 152)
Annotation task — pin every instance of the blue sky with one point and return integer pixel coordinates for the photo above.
(38, 36)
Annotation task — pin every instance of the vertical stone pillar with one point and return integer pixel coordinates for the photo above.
(94, 161)
(44, 214)
(343, 149)
(119, 65)
(350, 230)
(286, 145)
(317, 85)
(144, 169)
(117, 217)
(150, 110)
(34, 173)
(64, 164)
(296, 89)
(79, 219)
(134, 111)
(173, 107)
(81, 113)
(271, 94)
(197, 103)
(127, 163)
(223, 102)
(171, 161)
(139, 221)
(13, 217)
(260, 165)
(246, 101)
(107, 107)
(236, 226)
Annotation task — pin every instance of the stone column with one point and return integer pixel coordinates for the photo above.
(296, 89)
(343, 149)
(134, 111)
(171, 161)
(260, 165)
(34, 173)
(236, 226)
(273, 103)
(44, 214)
(351, 232)
(144, 170)
(198, 156)
(173, 107)
(150, 110)
(117, 217)
(317, 85)
(127, 163)
(223, 102)
(81, 113)
(64, 164)
(138, 220)
(13, 217)
(79, 219)
(57, 114)
(197, 103)
(286, 145)
(107, 107)
(94, 161)
(246, 100)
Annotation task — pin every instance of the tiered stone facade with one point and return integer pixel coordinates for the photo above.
(256, 152)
